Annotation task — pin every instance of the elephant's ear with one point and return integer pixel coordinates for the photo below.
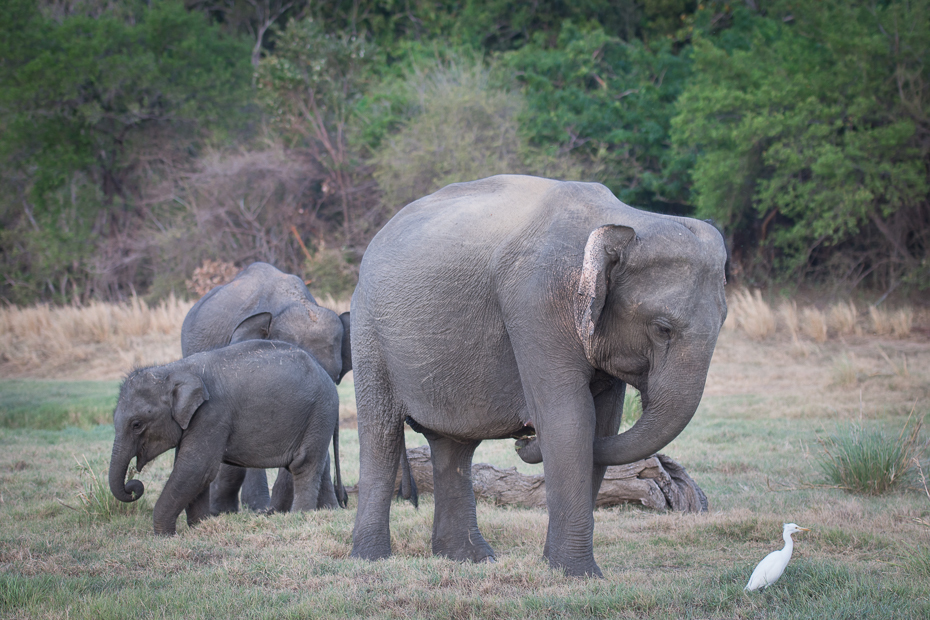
(346, 345)
(602, 251)
(188, 393)
(256, 327)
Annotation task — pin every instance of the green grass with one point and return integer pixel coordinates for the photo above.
(53, 405)
(871, 461)
(864, 558)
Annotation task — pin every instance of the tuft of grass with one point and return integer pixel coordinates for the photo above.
(814, 324)
(902, 321)
(897, 323)
(871, 462)
(843, 318)
(788, 311)
(97, 503)
(845, 370)
(916, 560)
(752, 314)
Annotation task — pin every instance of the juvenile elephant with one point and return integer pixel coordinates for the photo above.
(514, 302)
(252, 404)
(264, 303)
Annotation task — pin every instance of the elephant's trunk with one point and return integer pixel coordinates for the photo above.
(667, 409)
(119, 464)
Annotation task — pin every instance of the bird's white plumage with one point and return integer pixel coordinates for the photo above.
(773, 565)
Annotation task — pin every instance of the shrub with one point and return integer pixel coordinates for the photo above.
(211, 273)
(871, 462)
(330, 273)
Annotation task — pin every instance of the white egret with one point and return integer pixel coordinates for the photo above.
(773, 565)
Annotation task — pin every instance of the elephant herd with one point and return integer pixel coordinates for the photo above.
(494, 309)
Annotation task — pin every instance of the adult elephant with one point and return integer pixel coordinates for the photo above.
(516, 302)
(264, 303)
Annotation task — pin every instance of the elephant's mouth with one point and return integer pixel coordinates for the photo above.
(525, 432)
(141, 461)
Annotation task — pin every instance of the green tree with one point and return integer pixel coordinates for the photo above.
(608, 103)
(90, 107)
(309, 88)
(810, 139)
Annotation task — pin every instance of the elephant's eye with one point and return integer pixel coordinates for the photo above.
(662, 330)
(136, 425)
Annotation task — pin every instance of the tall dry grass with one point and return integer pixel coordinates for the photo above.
(754, 316)
(98, 340)
(751, 314)
(53, 341)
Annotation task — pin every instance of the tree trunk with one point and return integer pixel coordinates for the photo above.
(657, 482)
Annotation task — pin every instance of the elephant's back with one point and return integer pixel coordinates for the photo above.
(260, 287)
(478, 212)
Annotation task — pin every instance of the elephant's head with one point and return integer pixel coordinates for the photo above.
(317, 330)
(155, 406)
(648, 309)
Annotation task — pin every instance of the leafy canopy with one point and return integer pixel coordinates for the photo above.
(812, 128)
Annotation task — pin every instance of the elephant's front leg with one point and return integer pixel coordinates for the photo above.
(566, 422)
(188, 487)
(455, 521)
(608, 394)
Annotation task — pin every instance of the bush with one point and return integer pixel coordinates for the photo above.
(871, 462)
(459, 129)
(330, 274)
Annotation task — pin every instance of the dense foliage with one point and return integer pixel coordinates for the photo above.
(812, 140)
(139, 139)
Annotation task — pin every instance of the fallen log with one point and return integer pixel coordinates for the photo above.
(657, 482)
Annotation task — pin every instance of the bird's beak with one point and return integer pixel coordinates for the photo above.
(804, 529)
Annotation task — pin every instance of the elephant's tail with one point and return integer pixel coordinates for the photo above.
(408, 487)
(341, 496)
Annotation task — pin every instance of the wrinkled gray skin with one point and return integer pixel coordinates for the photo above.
(253, 404)
(264, 303)
(514, 301)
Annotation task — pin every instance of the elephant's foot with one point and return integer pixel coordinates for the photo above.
(469, 548)
(574, 567)
(370, 548)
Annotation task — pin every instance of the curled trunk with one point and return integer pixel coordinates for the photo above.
(119, 464)
(666, 412)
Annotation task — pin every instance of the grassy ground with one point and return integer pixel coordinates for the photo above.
(754, 447)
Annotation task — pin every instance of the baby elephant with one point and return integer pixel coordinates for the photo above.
(258, 403)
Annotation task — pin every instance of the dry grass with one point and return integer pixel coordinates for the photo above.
(814, 324)
(844, 319)
(95, 341)
(751, 314)
(754, 316)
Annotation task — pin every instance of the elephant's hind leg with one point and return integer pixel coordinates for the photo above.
(255, 490)
(327, 496)
(455, 521)
(306, 483)
(381, 441)
(224, 490)
(282, 494)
